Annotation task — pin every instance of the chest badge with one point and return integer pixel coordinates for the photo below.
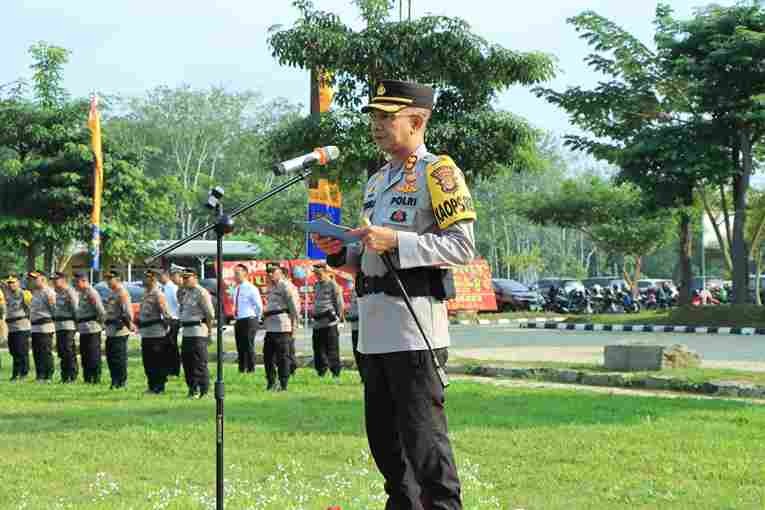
(410, 177)
(399, 216)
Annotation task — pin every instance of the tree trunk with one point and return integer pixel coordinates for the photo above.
(685, 259)
(48, 258)
(757, 272)
(740, 254)
(722, 242)
(31, 256)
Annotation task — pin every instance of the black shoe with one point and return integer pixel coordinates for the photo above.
(271, 386)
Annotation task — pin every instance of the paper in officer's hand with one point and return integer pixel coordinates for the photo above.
(325, 228)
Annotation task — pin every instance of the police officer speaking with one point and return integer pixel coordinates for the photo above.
(421, 214)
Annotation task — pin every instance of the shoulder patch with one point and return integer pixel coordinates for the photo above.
(449, 194)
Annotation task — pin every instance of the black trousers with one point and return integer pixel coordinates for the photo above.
(326, 350)
(407, 431)
(356, 354)
(90, 353)
(277, 358)
(67, 355)
(171, 354)
(116, 358)
(153, 356)
(194, 356)
(18, 347)
(244, 332)
(42, 352)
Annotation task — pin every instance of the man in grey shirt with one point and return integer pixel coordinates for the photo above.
(90, 319)
(19, 328)
(67, 301)
(280, 318)
(421, 214)
(41, 311)
(327, 313)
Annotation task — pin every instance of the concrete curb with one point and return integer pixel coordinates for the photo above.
(634, 328)
(615, 380)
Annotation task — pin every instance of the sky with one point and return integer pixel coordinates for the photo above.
(129, 46)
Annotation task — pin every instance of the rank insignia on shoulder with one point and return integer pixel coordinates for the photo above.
(449, 194)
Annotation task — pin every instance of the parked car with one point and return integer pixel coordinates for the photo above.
(567, 284)
(604, 281)
(653, 283)
(514, 296)
(135, 289)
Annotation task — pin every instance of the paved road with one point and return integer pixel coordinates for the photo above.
(582, 346)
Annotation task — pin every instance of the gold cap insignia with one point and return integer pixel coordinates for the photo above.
(381, 90)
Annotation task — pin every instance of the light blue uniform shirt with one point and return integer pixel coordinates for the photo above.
(171, 295)
(247, 301)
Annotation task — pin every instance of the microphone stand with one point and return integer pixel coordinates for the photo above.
(224, 224)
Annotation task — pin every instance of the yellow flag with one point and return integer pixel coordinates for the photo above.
(94, 124)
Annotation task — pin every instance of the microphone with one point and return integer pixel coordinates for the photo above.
(320, 156)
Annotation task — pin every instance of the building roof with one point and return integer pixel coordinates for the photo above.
(207, 249)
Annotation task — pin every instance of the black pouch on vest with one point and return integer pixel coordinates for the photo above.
(442, 284)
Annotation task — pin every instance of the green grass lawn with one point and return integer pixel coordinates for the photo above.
(84, 448)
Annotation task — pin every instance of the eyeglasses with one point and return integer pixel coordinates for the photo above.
(380, 117)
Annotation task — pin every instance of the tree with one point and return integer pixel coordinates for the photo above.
(643, 120)
(614, 217)
(466, 70)
(715, 53)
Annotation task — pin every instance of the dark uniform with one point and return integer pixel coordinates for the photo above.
(152, 320)
(327, 312)
(280, 313)
(3, 326)
(425, 200)
(65, 319)
(171, 353)
(196, 319)
(119, 323)
(19, 328)
(353, 318)
(41, 312)
(90, 319)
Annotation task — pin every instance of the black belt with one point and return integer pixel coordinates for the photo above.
(352, 318)
(113, 322)
(189, 324)
(250, 318)
(86, 319)
(147, 324)
(40, 322)
(63, 319)
(14, 319)
(417, 281)
(329, 314)
(269, 313)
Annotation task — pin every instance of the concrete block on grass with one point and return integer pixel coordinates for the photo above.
(633, 357)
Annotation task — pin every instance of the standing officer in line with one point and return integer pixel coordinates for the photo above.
(172, 287)
(90, 319)
(65, 319)
(41, 312)
(196, 319)
(152, 319)
(353, 317)
(327, 312)
(119, 324)
(3, 310)
(280, 319)
(421, 213)
(19, 328)
(248, 306)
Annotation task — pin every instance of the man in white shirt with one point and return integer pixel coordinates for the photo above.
(170, 280)
(248, 308)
